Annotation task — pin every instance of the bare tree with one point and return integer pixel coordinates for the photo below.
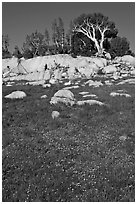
(47, 37)
(55, 33)
(34, 44)
(96, 27)
(61, 32)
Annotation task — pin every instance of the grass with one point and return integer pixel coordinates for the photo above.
(78, 157)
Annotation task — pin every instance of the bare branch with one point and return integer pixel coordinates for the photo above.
(83, 42)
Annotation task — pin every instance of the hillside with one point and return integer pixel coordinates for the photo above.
(69, 136)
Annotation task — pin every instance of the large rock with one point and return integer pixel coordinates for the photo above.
(129, 59)
(89, 70)
(16, 95)
(86, 66)
(36, 64)
(125, 59)
(64, 96)
(100, 62)
(109, 69)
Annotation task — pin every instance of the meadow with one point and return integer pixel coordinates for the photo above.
(87, 154)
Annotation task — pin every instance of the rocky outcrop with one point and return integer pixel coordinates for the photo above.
(54, 68)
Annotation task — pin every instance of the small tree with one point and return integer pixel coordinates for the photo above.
(61, 33)
(58, 35)
(35, 45)
(96, 27)
(5, 42)
(5, 47)
(69, 36)
(17, 52)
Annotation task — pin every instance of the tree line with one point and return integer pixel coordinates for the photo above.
(87, 35)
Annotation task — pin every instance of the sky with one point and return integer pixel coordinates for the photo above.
(23, 18)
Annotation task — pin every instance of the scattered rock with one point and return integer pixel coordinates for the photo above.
(124, 75)
(67, 83)
(71, 87)
(90, 95)
(36, 83)
(90, 102)
(8, 85)
(121, 90)
(44, 96)
(94, 83)
(119, 94)
(84, 92)
(46, 85)
(107, 82)
(130, 81)
(132, 72)
(52, 81)
(123, 137)
(64, 75)
(16, 95)
(76, 83)
(64, 96)
(115, 76)
(108, 56)
(55, 114)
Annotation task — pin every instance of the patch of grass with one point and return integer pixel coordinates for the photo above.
(77, 157)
